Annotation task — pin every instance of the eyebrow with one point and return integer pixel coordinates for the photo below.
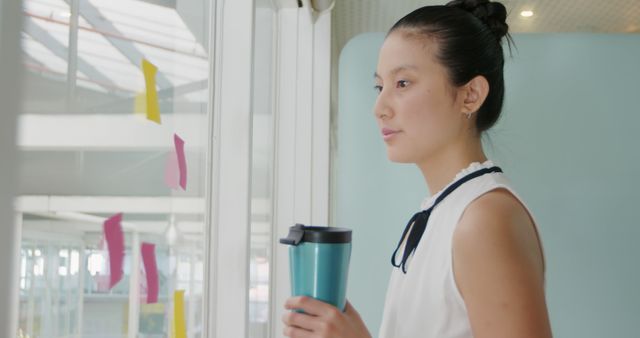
(396, 70)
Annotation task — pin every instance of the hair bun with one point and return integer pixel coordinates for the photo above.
(492, 13)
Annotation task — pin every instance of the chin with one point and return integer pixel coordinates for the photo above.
(398, 157)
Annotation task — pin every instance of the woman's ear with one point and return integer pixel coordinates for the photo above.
(476, 91)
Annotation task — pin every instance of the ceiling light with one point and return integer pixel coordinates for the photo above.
(526, 14)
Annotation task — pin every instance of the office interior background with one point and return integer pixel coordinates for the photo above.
(211, 126)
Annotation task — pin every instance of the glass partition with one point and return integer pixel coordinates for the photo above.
(102, 135)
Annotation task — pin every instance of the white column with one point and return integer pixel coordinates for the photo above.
(191, 297)
(16, 275)
(82, 267)
(66, 281)
(51, 294)
(134, 285)
(31, 302)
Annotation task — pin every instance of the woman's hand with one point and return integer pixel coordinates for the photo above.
(322, 320)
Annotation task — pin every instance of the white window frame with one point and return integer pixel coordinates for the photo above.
(10, 76)
(301, 152)
(229, 169)
(302, 136)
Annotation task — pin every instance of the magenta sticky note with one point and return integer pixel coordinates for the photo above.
(171, 171)
(115, 245)
(182, 161)
(151, 271)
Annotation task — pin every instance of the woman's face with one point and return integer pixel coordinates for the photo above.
(417, 109)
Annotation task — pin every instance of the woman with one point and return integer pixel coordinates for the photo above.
(470, 264)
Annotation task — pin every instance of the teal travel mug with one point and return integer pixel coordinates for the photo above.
(319, 262)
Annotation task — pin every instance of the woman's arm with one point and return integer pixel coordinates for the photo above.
(498, 267)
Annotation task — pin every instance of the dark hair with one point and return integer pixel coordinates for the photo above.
(469, 37)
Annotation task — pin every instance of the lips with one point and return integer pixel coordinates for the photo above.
(387, 133)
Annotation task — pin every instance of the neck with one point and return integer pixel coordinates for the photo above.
(441, 168)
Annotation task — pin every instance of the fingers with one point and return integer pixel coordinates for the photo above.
(295, 332)
(301, 320)
(321, 319)
(309, 305)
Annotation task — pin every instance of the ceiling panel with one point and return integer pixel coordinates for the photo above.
(352, 17)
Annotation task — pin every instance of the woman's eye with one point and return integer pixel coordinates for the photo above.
(378, 88)
(402, 83)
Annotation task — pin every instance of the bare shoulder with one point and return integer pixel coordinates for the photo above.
(498, 268)
(497, 218)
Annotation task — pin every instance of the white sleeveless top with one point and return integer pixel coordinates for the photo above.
(425, 302)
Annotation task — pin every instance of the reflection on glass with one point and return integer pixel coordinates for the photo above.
(86, 155)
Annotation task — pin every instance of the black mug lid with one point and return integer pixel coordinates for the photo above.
(316, 234)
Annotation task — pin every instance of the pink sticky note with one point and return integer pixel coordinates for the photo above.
(182, 162)
(151, 270)
(171, 171)
(115, 245)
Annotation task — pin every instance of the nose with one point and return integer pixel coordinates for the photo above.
(381, 109)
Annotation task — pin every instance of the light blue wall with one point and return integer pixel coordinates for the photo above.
(568, 139)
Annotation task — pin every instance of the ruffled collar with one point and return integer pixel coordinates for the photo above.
(473, 166)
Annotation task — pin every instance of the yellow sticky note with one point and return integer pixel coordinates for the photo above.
(152, 108)
(179, 328)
